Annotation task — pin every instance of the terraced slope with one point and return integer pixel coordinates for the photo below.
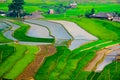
(20, 33)
(22, 55)
(5, 52)
(57, 30)
(11, 60)
(80, 36)
(80, 1)
(27, 58)
(112, 71)
(65, 64)
(38, 31)
(109, 57)
(76, 31)
(102, 29)
(40, 57)
(4, 27)
(68, 65)
(9, 33)
(103, 58)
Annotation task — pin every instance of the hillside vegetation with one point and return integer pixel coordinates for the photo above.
(65, 64)
(79, 1)
(82, 8)
(69, 65)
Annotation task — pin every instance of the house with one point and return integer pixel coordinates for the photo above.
(51, 11)
(73, 5)
(104, 15)
(117, 19)
(2, 13)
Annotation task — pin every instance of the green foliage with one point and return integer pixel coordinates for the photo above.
(50, 63)
(16, 8)
(68, 1)
(68, 65)
(11, 60)
(5, 52)
(100, 28)
(88, 14)
(3, 39)
(111, 72)
(25, 61)
(13, 56)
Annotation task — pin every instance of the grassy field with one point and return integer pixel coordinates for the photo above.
(11, 60)
(17, 69)
(31, 6)
(5, 52)
(102, 29)
(111, 71)
(18, 54)
(68, 65)
(79, 1)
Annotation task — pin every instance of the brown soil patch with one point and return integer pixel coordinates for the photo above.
(99, 57)
(31, 69)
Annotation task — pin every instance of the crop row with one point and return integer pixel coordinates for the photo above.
(14, 62)
(68, 65)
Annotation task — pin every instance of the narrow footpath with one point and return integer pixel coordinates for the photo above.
(31, 69)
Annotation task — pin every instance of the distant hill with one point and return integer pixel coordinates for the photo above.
(78, 1)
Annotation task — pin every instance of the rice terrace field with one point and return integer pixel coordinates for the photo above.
(59, 40)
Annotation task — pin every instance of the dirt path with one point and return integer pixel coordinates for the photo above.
(32, 68)
(99, 57)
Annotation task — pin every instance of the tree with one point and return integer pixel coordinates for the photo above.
(88, 14)
(60, 9)
(117, 13)
(16, 8)
(92, 11)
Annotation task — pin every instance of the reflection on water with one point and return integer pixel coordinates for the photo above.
(71, 44)
(108, 59)
(38, 31)
(56, 30)
(8, 34)
(61, 35)
(77, 43)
